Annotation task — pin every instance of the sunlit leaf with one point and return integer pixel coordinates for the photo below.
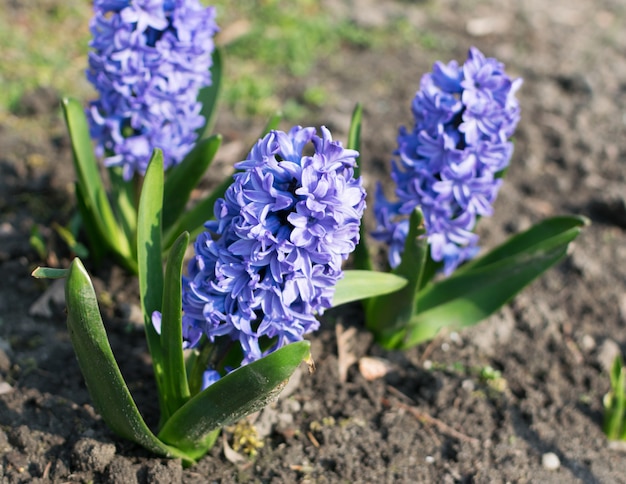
(356, 285)
(96, 203)
(185, 177)
(124, 203)
(209, 95)
(193, 220)
(471, 295)
(49, 273)
(545, 232)
(174, 373)
(387, 316)
(150, 270)
(614, 424)
(104, 380)
(236, 395)
(361, 256)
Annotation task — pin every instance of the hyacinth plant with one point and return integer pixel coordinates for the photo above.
(225, 338)
(447, 170)
(157, 74)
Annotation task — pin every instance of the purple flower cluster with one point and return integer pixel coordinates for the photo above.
(448, 164)
(149, 60)
(272, 257)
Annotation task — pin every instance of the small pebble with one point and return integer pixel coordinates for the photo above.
(468, 385)
(456, 338)
(588, 342)
(607, 352)
(430, 459)
(445, 347)
(550, 461)
(5, 388)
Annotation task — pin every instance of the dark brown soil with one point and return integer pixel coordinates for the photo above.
(434, 417)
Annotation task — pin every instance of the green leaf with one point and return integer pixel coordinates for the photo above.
(236, 395)
(209, 95)
(123, 199)
(102, 375)
(150, 270)
(96, 204)
(68, 237)
(387, 316)
(49, 273)
(354, 134)
(356, 285)
(469, 296)
(614, 424)
(193, 220)
(174, 373)
(185, 177)
(272, 123)
(361, 256)
(561, 226)
(98, 246)
(37, 242)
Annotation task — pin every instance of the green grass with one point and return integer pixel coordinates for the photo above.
(280, 39)
(268, 44)
(43, 43)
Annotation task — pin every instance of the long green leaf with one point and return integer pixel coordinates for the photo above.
(184, 178)
(208, 96)
(537, 235)
(387, 316)
(361, 256)
(94, 195)
(193, 220)
(354, 134)
(98, 245)
(150, 270)
(174, 372)
(356, 285)
(469, 297)
(123, 200)
(104, 380)
(236, 395)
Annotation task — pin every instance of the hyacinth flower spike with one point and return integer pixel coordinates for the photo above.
(271, 261)
(157, 74)
(447, 171)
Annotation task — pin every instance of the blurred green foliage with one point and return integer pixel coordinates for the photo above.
(43, 43)
(271, 49)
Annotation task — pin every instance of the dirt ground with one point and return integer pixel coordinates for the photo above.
(438, 415)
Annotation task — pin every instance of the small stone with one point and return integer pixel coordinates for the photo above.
(430, 459)
(456, 338)
(5, 388)
(588, 342)
(373, 368)
(468, 385)
(607, 352)
(550, 461)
